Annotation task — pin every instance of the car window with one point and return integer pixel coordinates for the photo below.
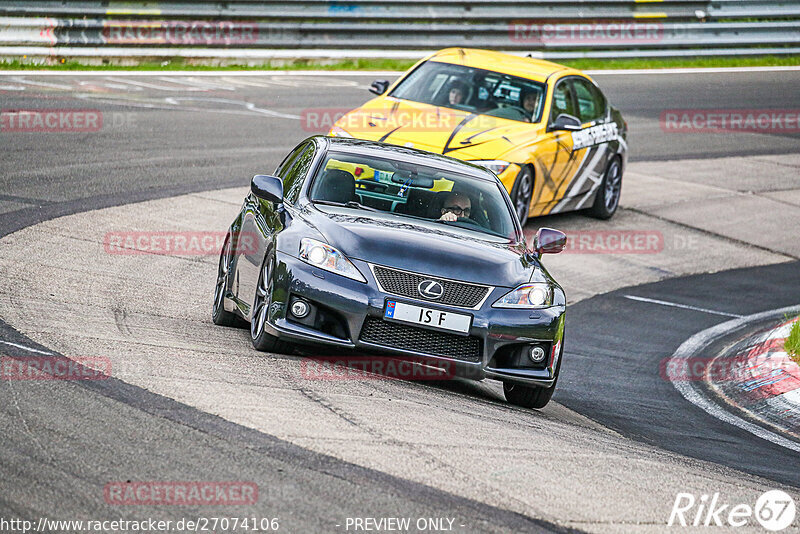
(563, 101)
(591, 103)
(286, 164)
(294, 177)
(413, 191)
(473, 90)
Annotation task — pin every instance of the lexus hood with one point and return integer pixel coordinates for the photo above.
(426, 247)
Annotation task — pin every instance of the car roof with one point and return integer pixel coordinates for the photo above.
(524, 67)
(405, 154)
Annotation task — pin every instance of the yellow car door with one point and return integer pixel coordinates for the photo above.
(597, 129)
(557, 162)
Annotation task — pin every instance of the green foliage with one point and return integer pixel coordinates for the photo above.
(792, 343)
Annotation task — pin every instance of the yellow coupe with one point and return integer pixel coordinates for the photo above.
(546, 130)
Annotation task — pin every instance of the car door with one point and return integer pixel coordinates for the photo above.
(592, 141)
(558, 162)
(261, 221)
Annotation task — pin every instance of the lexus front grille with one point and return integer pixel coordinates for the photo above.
(406, 284)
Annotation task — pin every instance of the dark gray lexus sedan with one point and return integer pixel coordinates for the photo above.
(391, 250)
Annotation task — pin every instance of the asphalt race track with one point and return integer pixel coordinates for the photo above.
(614, 374)
(194, 402)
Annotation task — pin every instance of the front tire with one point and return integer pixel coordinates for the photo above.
(606, 201)
(521, 194)
(262, 340)
(527, 396)
(531, 396)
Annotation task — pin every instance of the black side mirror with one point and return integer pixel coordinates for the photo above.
(566, 122)
(379, 87)
(266, 187)
(549, 241)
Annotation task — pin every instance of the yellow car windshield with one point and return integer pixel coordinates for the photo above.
(473, 90)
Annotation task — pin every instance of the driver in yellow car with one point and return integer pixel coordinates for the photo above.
(530, 102)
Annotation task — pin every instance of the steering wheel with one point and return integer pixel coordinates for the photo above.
(371, 186)
(461, 107)
(514, 107)
(507, 111)
(469, 221)
(463, 220)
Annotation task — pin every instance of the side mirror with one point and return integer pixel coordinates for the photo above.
(379, 87)
(549, 241)
(566, 122)
(266, 187)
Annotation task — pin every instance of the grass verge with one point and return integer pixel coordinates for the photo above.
(213, 65)
(792, 344)
(389, 64)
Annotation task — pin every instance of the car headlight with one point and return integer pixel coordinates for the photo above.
(495, 165)
(527, 296)
(326, 257)
(337, 131)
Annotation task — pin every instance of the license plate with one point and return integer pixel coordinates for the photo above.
(439, 319)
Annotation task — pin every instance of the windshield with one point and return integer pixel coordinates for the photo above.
(413, 191)
(473, 90)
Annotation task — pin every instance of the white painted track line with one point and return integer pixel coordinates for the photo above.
(23, 347)
(684, 306)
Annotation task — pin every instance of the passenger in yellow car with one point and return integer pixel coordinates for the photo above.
(458, 91)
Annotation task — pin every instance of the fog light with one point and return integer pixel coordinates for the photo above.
(536, 354)
(300, 308)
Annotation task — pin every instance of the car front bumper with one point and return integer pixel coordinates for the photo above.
(502, 334)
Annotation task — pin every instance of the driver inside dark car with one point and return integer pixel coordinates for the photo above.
(456, 205)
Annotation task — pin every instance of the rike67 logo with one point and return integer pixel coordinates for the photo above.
(774, 510)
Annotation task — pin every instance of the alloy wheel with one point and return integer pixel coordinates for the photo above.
(261, 302)
(522, 199)
(613, 186)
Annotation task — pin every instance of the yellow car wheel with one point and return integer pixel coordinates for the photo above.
(521, 194)
(606, 200)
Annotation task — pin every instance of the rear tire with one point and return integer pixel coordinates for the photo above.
(606, 201)
(521, 194)
(219, 314)
(262, 340)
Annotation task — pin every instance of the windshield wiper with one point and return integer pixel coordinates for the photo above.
(348, 204)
